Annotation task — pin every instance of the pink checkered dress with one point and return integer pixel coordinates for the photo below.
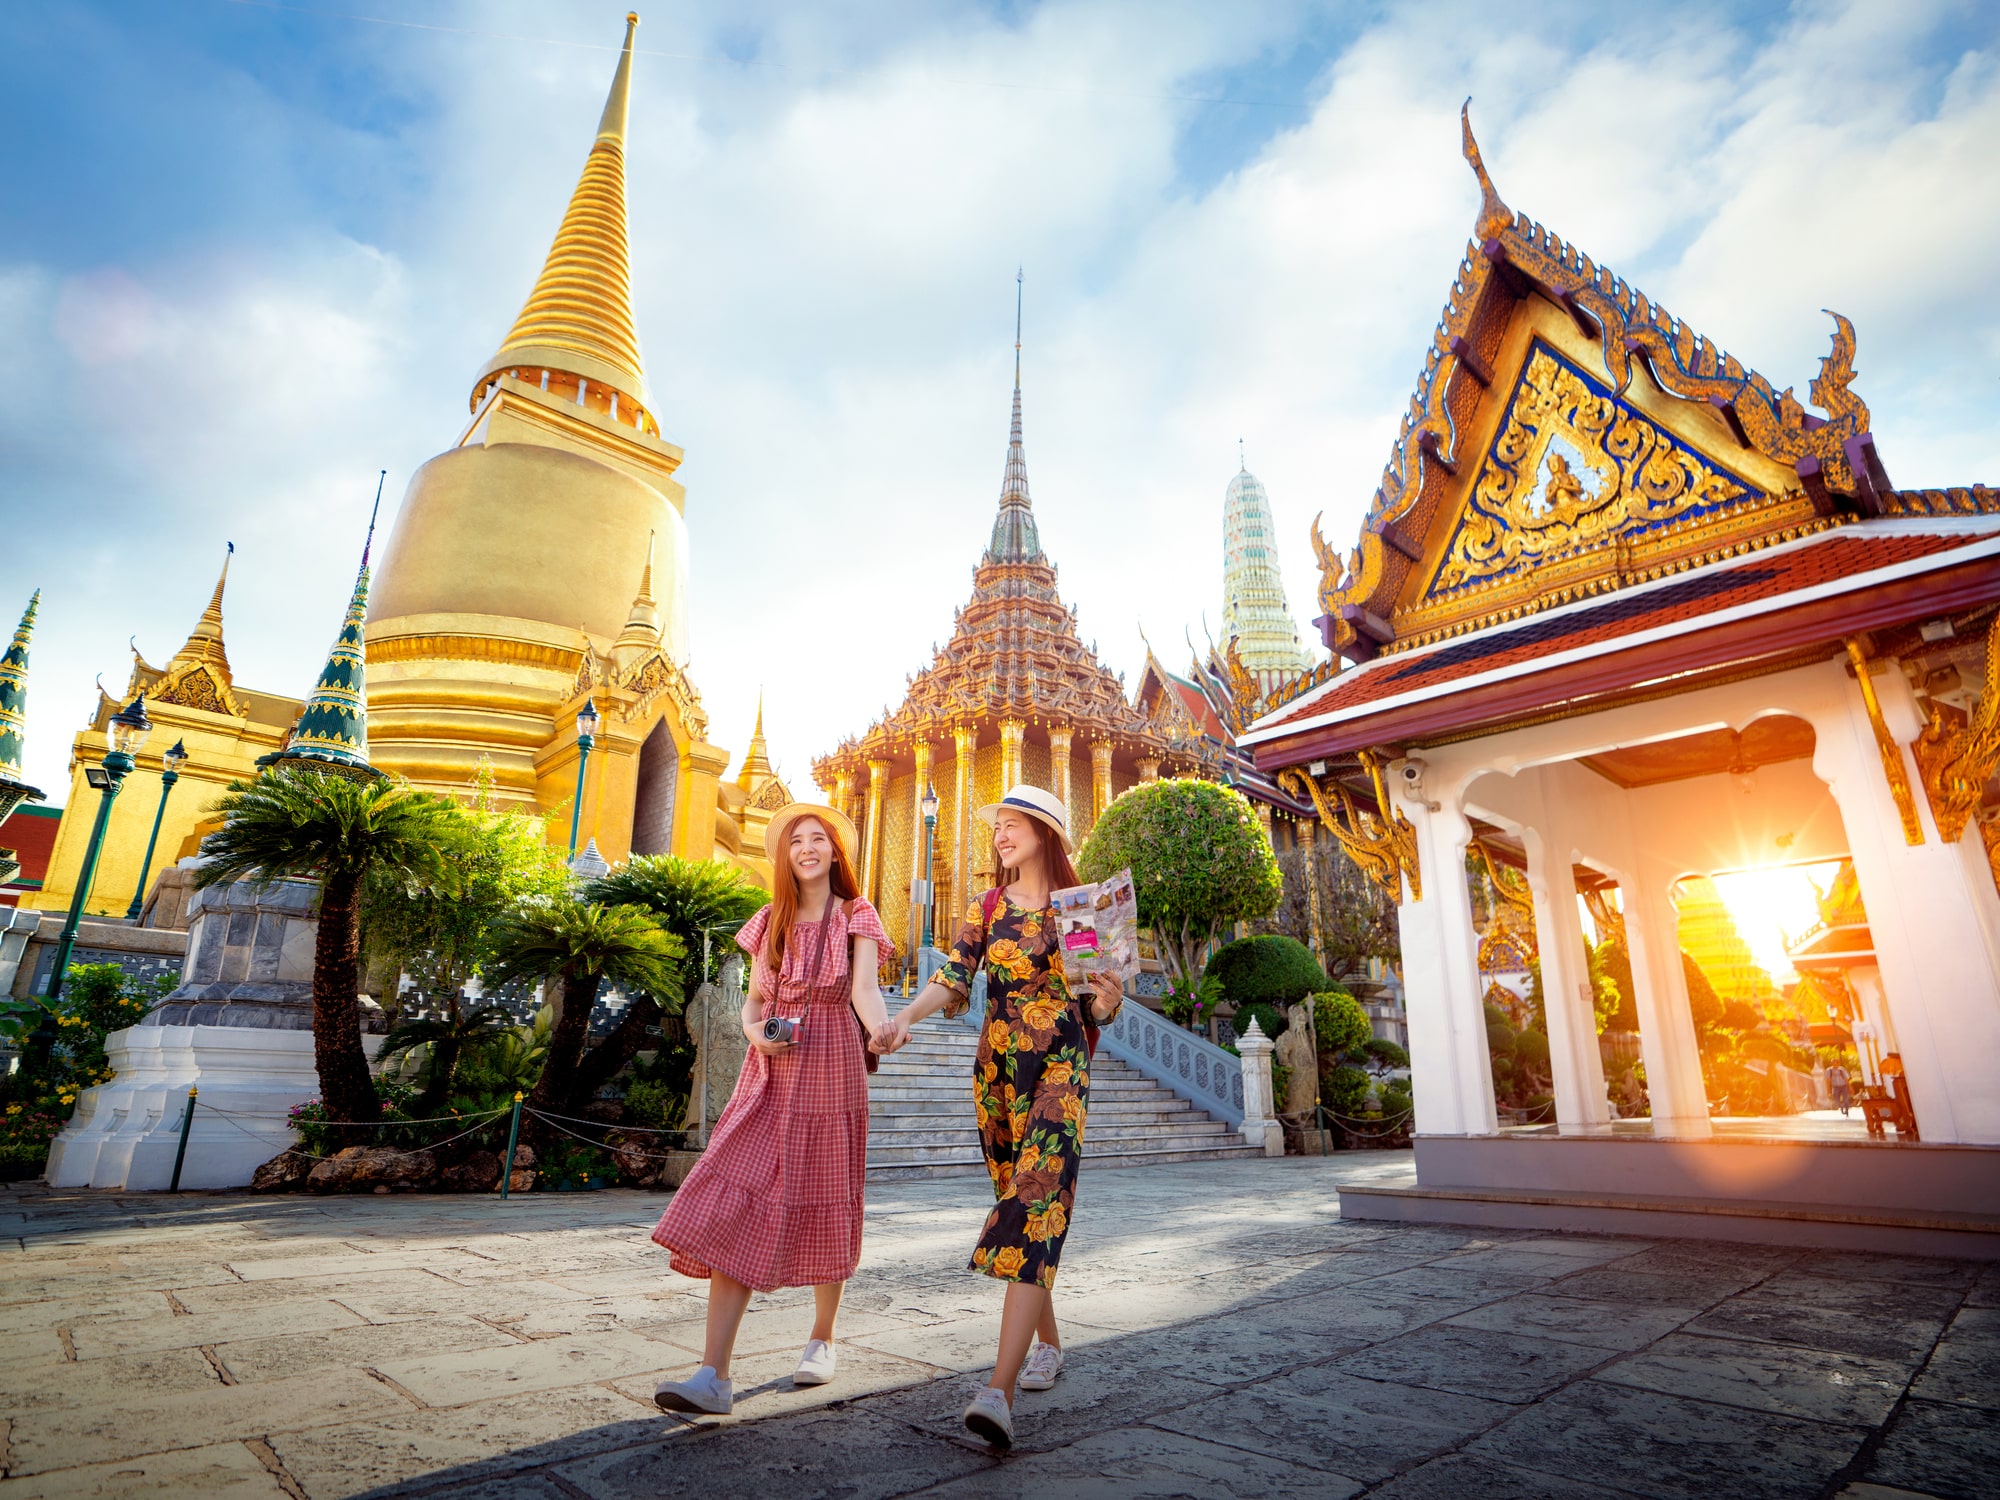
(776, 1199)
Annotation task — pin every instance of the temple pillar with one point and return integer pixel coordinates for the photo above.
(965, 746)
(1059, 770)
(705, 765)
(1012, 733)
(843, 794)
(1450, 1065)
(1100, 778)
(1674, 1087)
(1307, 833)
(1576, 1065)
(871, 838)
(1149, 768)
(919, 839)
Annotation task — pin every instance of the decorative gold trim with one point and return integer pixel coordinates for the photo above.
(487, 648)
(1892, 753)
(1957, 758)
(1383, 844)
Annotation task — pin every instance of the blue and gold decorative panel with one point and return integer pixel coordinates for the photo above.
(1575, 467)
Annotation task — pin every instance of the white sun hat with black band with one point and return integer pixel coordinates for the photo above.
(1044, 807)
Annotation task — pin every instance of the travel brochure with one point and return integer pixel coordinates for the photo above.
(1099, 928)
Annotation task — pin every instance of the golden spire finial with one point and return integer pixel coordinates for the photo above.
(642, 626)
(756, 758)
(204, 642)
(1495, 217)
(578, 318)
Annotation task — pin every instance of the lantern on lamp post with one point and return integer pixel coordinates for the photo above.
(586, 736)
(124, 734)
(170, 772)
(930, 842)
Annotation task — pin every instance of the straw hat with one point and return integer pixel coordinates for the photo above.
(778, 831)
(1044, 807)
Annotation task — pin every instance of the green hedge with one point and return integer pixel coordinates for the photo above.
(1267, 970)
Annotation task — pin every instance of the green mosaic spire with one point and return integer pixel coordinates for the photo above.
(332, 732)
(14, 714)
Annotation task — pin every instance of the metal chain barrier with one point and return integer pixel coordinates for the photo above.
(483, 1122)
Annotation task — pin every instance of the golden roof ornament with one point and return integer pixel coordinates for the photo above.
(1495, 217)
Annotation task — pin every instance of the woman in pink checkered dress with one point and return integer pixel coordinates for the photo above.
(776, 1198)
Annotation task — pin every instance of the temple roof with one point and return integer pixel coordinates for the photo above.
(578, 319)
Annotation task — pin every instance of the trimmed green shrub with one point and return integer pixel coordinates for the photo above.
(1340, 1026)
(1269, 969)
(1269, 1019)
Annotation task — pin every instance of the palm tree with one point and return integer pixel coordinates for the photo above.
(447, 1038)
(314, 825)
(579, 945)
(692, 898)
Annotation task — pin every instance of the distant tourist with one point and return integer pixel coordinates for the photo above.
(775, 1200)
(1030, 1085)
(1842, 1087)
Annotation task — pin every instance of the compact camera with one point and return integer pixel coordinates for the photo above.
(779, 1029)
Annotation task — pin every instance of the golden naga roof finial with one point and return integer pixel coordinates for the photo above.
(1495, 217)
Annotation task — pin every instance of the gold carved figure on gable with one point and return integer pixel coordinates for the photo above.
(1572, 467)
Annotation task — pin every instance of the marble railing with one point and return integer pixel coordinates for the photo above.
(1191, 1066)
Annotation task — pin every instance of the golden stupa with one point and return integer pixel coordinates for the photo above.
(542, 562)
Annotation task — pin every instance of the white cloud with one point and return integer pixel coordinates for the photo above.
(824, 241)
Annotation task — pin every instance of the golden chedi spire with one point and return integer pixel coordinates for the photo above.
(204, 642)
(198, 676)
(756, 759)
(642, 626)
(578, 319)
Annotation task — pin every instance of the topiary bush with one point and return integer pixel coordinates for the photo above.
(1269, 969)
(1269, 1019)
(1340, 1027)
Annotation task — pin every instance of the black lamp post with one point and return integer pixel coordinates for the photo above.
(170, 772)
(125, 733)
(586, 736)
(930, 842)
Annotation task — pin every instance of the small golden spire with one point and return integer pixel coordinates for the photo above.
(578, 318)
(642, 626)
(204, 642)
(757, 758)
(1495, 217)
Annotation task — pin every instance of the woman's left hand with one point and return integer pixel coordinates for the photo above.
(1107, 994)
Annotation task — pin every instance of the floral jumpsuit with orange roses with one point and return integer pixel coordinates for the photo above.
(1029, 1086)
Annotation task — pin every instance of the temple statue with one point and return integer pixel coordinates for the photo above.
(541, 563)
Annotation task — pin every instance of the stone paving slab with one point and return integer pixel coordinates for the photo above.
(220, 1344)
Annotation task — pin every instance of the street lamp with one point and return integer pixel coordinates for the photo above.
(170, 772)
(125, 733)
(930, 842)
(586, 736)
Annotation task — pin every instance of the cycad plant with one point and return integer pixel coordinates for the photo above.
(577, 946)
(693, 898)
(444, 1039)
(312, 825)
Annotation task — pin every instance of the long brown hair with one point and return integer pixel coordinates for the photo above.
(841, 885)
(1055, 860)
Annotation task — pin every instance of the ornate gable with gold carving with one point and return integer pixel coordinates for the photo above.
(654, 675)
(195, 686)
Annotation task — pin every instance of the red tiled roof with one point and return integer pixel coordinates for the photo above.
(1685, 600)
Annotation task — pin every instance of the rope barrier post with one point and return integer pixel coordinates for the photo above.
(513, 1135)
(180, 1152)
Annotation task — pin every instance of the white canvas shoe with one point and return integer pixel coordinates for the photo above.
(816, 1364)
(1045, 1362)
(701, 1392)
(990, 1418)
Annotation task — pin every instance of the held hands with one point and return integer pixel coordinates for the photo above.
(890, 1038)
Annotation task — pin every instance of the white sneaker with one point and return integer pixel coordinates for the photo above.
(1045, 1362)
(815, 1365)
(700, 1392)
(990, 1418)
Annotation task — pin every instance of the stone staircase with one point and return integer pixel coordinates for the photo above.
(920, 1113)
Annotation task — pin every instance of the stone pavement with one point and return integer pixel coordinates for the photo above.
(1229, 1335)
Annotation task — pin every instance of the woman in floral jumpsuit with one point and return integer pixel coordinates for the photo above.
(1030, 1086)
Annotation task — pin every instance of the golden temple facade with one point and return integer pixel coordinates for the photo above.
(541, 563)
(1014, 696)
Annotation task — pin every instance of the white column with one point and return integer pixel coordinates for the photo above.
(1674, 1086)
(1260, 1119)
(1934, 916)
(1576, 1065)
(1450, 1068)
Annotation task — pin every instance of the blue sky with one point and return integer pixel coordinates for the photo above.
(251, 253)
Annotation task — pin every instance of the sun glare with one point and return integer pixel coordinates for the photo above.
(1771, 906)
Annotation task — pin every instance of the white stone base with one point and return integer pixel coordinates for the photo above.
(125, 1132)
